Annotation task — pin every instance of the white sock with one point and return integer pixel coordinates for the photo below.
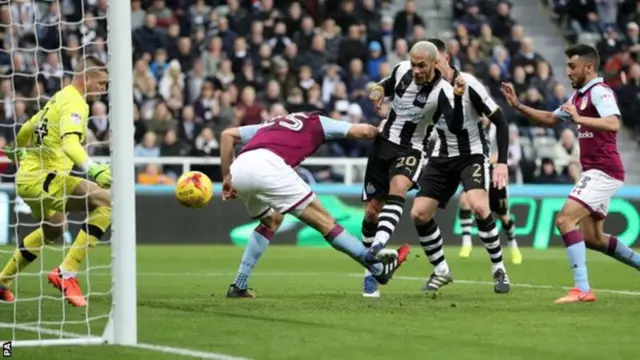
(442, 268)
(66, 274)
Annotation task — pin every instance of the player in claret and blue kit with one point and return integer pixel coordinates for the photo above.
(263, 176)
(593, 107)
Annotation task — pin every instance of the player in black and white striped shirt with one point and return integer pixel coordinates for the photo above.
(499, 205)
(419, 98)
(461, 155)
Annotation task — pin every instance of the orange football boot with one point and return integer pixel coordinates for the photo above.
(69, 287)
(5, 294)
(576, 295)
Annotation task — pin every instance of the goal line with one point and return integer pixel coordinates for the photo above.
(66, 338)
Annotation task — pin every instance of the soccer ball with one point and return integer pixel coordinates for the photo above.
(194, 189)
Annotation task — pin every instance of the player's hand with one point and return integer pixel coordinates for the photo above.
(228, 192)
(460, 86)
(13, 154)
(510, 94)
(500, 176)
(101, 174)
(571, 110)
(376, 95)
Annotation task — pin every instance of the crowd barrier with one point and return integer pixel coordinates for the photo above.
(161, 220)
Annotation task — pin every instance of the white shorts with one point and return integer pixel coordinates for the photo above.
(594, 191)
(264, 182)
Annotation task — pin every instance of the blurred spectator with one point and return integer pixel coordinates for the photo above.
(202, 66)
(405, 21)
(566, 151)
(548, 173)
(152, 175)
(99, 127)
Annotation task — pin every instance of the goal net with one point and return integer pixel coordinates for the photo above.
(42, 41)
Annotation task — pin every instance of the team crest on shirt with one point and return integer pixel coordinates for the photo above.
(421, 98)
(76, 118)
(583, 103)
(370, 189)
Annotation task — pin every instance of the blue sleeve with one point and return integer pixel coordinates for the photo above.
(334, 129)
(605, 102)
(561, 114)
(247, 132)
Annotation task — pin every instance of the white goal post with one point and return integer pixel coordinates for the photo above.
(121, 324)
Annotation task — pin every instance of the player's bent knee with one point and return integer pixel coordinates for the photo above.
(316, 216)
(399, 185)
(481, 210)
(372, 209)
(53, 227)
(273, 221)
(423, 210)
(505, 219)
(595, 242)
(100, 198)
(464, 201)
(565, 223)
(477, 200)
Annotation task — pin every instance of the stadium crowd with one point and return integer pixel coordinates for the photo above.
(201, 66)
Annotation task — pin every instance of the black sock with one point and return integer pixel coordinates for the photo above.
(369, 229)
(510, 230)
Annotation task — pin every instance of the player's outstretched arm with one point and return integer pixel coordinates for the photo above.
(362, 131)
(538, 117)
(100, 173)
(72, 127)
(228, 140)
(502, 135)
(337, 129)
(23, 138)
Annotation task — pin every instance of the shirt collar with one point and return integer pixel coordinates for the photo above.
(591, 83)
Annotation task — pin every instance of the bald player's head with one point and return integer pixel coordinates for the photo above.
(424, 59)
(91, 77)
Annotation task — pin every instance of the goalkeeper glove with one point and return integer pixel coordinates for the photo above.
(13, 154)
(101, 174)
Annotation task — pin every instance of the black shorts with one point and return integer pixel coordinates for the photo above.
(387, 160)
(441, 176)
(498, 198)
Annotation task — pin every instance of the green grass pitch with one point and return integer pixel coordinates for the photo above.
(309, 307)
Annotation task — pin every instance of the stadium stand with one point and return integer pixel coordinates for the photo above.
(204, 65)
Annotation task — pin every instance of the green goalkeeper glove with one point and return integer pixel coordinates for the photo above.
(15, 155)
(101, 174)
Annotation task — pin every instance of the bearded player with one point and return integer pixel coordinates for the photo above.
(593, 107)
(47, 147)
(499, 205)
(419, 97)
(263, 176)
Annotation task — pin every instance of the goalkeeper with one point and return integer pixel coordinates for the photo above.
(47, 147)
